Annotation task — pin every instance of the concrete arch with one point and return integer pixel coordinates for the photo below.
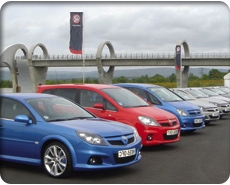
(37, 75)
(8, 60)
(184, 74)
(105, 77)
(32, 48)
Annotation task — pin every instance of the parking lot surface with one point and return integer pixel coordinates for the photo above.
(201, 157)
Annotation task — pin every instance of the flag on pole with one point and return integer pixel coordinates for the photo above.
(178, 57)
(76, 32)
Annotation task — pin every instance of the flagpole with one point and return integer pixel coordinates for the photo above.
(76, 45)
(83, 43)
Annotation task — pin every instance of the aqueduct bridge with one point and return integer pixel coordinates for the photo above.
(30, 70)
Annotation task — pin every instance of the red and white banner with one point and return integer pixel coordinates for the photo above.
(76, 32)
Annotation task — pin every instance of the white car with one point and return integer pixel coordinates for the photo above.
(223, 106)
(212, 94)
(210, 111)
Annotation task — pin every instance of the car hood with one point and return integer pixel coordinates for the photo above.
(154, 112)
(201, 103)
(99, 126)
(184, 105)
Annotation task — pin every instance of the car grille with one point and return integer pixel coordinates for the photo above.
(124, 159)
(197, 124)
(121, 140)
(170, 137)
(168, 124)
(224, 105)
(212, 109)
(194, 112)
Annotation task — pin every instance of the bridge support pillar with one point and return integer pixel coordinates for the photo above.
(182, 76)
(105, 77)
(18, 76)
(37, 74)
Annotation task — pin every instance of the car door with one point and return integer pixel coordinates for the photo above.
(17, 138)
(98, 105)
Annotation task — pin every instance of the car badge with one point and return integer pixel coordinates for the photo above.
(124, 140)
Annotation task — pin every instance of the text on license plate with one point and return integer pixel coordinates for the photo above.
(172, 132)
(198, 120)
(126, 153)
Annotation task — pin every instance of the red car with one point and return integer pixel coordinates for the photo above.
(154, 125)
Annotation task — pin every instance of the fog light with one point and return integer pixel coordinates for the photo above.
(149, 137)
(94, 160)
(184, 125)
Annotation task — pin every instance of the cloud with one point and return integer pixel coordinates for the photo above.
(132, 27)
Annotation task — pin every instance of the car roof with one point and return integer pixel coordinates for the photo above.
(95, 86)
(25, 95)
(139, 84)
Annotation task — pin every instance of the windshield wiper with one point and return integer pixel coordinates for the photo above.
(79, 118)
(66, 119)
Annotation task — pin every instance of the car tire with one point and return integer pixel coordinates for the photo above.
(57, 160)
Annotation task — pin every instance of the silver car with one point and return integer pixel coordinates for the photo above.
(212, 94)
(223, 106)
(220, 91)
(210, 111)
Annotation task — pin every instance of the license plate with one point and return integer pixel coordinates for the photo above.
(126, 153)
(227, 109)
(198, 120)
(172, 132)
(215, 114)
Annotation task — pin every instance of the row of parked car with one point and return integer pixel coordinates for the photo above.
(102, 126)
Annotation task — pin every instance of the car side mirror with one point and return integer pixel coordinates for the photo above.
(98, 106)
(23, 119)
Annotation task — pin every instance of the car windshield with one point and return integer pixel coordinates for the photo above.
(58, 109)
(197, 93)
(185, 95)
(208, 92)
(218, 91)
(165, 94)
(125, 98)
(226, 90)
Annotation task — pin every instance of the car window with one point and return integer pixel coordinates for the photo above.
(49, 91)
(139, 92)
(197, 93)
(109, 106)
(165, 94)
(88, 98)
(67, 93)
(125, 98)
(153, 99)
(184, 95)
(58, 109)
(11, 108)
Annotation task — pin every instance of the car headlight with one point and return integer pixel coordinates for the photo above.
(135, 133)
(203, 109)
(91, 138)
(148, 121)
(181, 112)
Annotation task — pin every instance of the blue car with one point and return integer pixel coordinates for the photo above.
(189, 115)
(53, 132)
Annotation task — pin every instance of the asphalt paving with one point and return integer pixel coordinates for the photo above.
(201, 157)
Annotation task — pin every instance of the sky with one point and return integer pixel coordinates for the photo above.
(131, 26)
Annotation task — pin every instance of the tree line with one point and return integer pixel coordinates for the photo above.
(213, 78)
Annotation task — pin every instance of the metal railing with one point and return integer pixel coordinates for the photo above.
(127, 56)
